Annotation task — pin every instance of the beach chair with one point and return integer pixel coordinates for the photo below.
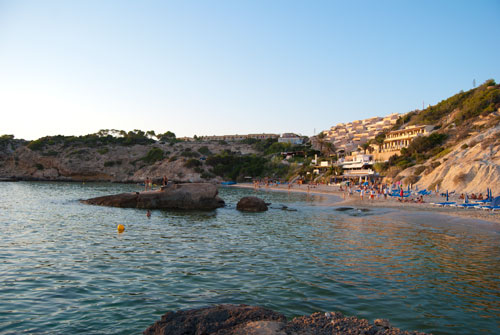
(443, 204)
(466, 206)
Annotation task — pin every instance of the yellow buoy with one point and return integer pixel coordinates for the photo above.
(120, 228)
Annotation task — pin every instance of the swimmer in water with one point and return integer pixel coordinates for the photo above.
(148, 213)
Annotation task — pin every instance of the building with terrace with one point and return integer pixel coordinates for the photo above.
(398, 139)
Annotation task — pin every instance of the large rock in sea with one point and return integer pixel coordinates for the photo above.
(251, 320)
(195, 196)
(251, 204)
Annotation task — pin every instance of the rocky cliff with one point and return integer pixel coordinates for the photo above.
(471, 165)
(116, 163)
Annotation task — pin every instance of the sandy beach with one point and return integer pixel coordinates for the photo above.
(390, 202)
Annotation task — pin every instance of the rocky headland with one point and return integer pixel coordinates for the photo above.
(181, 162)
(252, 320)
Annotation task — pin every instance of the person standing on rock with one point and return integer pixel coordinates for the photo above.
(146, 184)
(165, 181)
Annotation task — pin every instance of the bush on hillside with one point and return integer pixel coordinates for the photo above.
(204, 151)
(192, 163)
(153, 155)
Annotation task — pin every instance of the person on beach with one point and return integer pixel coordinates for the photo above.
(362, 193)
(146, 184)
(165, 181)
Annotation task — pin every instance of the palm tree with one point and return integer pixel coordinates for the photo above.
(329, 148)
(365, 146)
(321, 140)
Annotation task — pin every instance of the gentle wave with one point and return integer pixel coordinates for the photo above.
(64, 268)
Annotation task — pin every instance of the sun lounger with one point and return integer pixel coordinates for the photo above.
(443, 203)
(466, 205)
(490, 208)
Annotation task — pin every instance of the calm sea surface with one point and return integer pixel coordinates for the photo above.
(64, 269)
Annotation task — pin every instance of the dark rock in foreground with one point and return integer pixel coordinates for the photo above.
(223, 319)
(243, 319)
(251, 204)
(196, 196)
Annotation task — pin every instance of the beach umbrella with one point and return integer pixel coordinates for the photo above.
(466, 199)
(446, 195)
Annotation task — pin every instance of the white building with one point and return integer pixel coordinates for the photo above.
(290, 138)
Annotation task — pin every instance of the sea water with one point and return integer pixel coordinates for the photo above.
(65, 269)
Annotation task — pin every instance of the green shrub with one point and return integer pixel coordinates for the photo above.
(5, 140)
(50, 153)
(190, 154)
(78, 152)
(192, 163)
(103, 151)
(36, 145)
(231, 166)
(443, 153)
(464, 146)
(172, 159)
(207, 175)
(112, 163)
(205, 151)
(153, 155)
(424, 144)
(39, 166)
(380, 167)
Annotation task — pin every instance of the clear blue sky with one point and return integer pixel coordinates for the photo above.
(225, 67)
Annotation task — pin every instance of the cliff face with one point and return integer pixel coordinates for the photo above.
(472, 165)
(116, 163)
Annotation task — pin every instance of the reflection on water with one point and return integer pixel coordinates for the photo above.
(65, 269)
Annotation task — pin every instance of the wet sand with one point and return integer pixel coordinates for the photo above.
(390, 202)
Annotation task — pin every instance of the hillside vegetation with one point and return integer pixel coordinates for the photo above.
(460, 122)
(115, 155)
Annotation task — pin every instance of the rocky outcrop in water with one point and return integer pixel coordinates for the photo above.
(251, 320)
(196, 196)
(251, 204)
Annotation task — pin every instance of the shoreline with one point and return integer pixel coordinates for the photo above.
(392, 203)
